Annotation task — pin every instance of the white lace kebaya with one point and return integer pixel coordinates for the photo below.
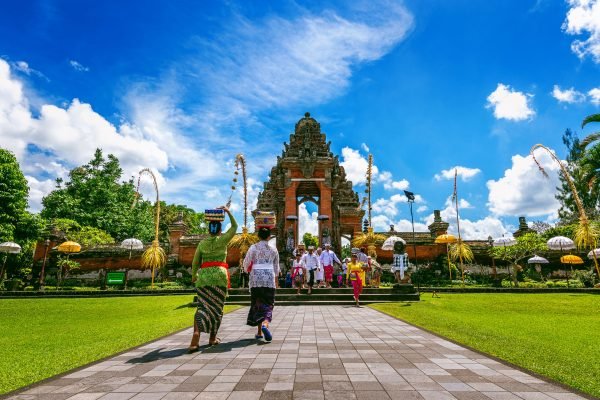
(265, 265)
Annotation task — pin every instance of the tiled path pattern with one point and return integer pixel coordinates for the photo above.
(318, 352)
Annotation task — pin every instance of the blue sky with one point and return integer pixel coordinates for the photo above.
(426, 87)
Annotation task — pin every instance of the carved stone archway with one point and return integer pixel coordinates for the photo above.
(307, 170)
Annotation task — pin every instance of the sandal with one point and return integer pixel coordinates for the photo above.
(258, 337)
(266, 333)
(215, 342)
(193, 349)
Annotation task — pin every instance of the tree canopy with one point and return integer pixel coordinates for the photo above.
(95, 196)
(13, 195)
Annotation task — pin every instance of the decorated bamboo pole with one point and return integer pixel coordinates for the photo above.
(586, 234)
(461, 250)
(154, 257)
(242, 241)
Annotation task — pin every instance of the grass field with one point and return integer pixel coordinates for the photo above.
(555, 335)
(40, 338)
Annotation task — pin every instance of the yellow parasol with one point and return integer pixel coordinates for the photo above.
(571, 259)
(69, 247)
(446, 239)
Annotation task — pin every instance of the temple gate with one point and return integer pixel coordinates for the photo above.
(307, 170)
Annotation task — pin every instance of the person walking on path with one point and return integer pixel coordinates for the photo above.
(211, 277)
(298, 272)
(262, 263)
(356, 275)
(312, 265)
(327, 259)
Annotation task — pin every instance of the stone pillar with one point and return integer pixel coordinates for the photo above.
(176, 230)
(325, 208)
(291, 208)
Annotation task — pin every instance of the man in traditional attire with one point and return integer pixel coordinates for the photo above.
(312, 265)
(262, 264)
(327, 259)
(211, 277)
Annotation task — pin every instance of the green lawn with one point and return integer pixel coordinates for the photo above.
(556, 335)
(40, 338)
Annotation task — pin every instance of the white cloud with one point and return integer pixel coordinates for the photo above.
(65, 137)
(464, 173)
(381, 223)
(389, 206)
(365, 147)
(510, 104)
(583, 17)
(422, 209)
(278, 61)
(568, 95)
(523, 190)
(476, 230)
(307, 222)
(355, 165)
(595, 95)
(78, 66)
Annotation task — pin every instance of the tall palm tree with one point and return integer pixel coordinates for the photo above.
(593, 136)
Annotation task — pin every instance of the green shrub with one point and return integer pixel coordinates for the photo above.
(586, 277)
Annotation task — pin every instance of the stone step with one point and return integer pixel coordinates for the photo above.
(330, 297)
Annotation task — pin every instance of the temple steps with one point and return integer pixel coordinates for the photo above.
(334, 296)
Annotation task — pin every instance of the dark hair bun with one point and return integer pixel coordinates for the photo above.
(264, 233)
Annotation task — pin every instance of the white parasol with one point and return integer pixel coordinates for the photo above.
(389, 243)
(10, 247)
(537, 260)
(504, 242)
(592, 252)
(132, 244)
(560, 243)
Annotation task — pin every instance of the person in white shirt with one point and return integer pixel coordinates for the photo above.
(320, 274)
(312, 265)
(327, 259)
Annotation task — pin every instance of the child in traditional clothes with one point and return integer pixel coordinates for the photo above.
(298, 272)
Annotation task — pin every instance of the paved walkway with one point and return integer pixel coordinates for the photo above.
(318, 352)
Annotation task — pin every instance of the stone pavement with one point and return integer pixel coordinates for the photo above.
(318, 352)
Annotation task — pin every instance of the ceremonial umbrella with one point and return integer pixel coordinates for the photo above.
(67, 247)
(8, 248)
(571, 259)
(592, 252)
(505, 242)
(389, 243)
(538, 261)
(446, 239)
(560, 243)
(131, 244)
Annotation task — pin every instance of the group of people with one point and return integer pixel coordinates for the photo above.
(313, 267)
(211, 276)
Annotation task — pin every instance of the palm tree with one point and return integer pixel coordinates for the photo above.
(591, 137)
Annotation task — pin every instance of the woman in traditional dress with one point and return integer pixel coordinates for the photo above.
(262, 263)
(209, 273)
(356, 275)
(298, 272)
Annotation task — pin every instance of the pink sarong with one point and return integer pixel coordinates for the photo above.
(358, 287)
(328, 273)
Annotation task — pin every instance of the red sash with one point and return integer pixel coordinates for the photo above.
(209, 264)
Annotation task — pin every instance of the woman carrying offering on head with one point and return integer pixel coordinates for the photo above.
(262, 263)
(356, 275)
(210, 275)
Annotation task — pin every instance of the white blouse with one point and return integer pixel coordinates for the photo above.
(265, 265)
